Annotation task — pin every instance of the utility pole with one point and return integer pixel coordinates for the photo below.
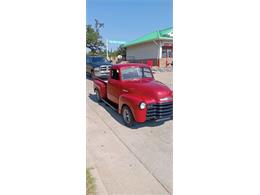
(107, 49)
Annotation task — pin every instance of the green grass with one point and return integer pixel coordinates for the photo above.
(91, 184)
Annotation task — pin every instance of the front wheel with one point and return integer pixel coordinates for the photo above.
(127, 116)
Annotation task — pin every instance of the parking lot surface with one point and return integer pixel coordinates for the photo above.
(128, 161)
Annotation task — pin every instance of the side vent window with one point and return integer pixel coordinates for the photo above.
(115, 74)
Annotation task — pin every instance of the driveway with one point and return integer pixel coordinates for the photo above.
(128, 161)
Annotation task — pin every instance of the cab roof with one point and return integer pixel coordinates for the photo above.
(95, 56)
(119, 66)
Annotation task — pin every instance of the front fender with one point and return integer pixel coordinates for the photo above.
(133, 101)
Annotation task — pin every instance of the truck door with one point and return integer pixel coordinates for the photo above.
(114, 86)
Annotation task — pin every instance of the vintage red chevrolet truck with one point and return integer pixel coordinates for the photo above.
(133, 92)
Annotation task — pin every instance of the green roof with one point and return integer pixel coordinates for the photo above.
(156, 35)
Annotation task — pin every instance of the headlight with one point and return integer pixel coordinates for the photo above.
(96, 69)
(142, 105)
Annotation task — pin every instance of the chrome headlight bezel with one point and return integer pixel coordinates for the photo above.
(97, 69)
(142, 105)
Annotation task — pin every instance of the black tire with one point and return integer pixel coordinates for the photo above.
(92, 74)
(127, 116)
(97, 95)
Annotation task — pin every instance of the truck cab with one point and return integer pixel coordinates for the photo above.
(135, 94)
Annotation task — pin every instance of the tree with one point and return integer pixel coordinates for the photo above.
(98, 25)
(94, 39)
(121, 51)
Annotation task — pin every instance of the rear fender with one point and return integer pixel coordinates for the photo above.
(101, 87)
(132, 102)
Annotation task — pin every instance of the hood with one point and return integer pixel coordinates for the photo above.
(97, 64)
(151, 90)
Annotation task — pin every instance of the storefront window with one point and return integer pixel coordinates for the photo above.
(169, 53)
(166, 52)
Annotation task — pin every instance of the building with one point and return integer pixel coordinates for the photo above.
(155, 48)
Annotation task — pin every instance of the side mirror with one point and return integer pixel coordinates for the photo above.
(110, 61)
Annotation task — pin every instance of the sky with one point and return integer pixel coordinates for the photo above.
(126, 20)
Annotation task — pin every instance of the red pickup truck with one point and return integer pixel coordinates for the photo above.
(133, 92)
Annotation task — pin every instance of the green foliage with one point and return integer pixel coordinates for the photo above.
(121, 51)
(94, 39)
(91, 186)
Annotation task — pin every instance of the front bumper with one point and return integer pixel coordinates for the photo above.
(102, 74)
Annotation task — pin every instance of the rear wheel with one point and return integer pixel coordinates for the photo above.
(97, 95)
(127, 116)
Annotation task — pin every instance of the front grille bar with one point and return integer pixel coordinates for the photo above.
(159, 111)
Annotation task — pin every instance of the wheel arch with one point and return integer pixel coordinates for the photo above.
(124, 104)
(132, 102)
(98, 85)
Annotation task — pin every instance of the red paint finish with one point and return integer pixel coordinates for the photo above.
(167, 44)
(133, 101)
(114, 90)
(149, 63)
(101, 87)
(133, 92)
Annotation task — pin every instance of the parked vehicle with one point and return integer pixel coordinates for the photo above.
(98, 66)
(133, 92)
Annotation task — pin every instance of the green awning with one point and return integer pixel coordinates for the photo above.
(164, 34)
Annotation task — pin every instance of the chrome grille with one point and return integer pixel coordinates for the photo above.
(159, 111)
(105, 68)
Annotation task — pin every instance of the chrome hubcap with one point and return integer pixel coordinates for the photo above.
(126, 116)
(97, 95)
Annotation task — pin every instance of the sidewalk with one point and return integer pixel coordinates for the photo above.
(100, 188)
(117, 170)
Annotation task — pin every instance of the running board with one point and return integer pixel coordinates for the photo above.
(109, 105)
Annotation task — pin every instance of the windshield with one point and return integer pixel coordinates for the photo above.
(99, 59)
(133, 73)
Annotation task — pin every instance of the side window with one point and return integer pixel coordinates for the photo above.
(115, 74)
(147, 73)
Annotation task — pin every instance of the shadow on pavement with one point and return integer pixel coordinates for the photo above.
(119, 119)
